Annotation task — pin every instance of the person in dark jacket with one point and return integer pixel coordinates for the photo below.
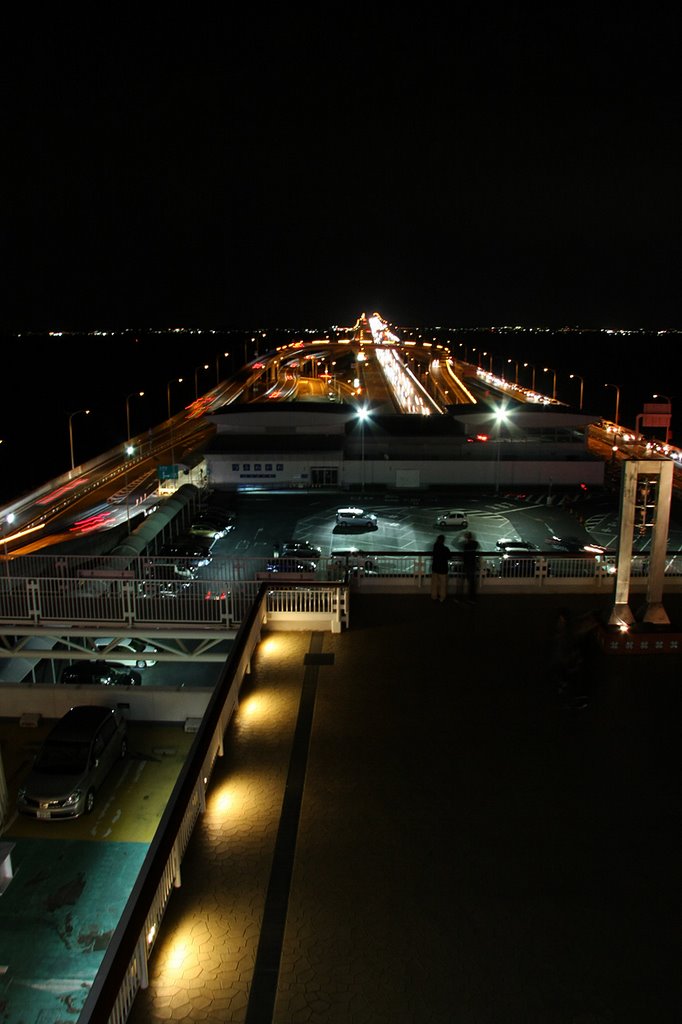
(470, 564)
(440, 565)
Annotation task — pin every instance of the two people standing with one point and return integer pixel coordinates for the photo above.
(440, 564)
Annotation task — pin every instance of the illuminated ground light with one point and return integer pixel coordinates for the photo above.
(271, 647)
(178, 954)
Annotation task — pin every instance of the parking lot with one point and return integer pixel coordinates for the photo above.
(266, 522)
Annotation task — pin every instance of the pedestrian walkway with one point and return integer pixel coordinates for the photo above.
(407, 827)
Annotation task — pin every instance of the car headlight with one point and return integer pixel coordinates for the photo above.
(73, 798)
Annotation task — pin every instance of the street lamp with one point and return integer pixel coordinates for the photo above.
(573, 376)
(490, 360)
(532, 383)
(196, 379)
(466, 351)
(516, 369)
(133, 394)
(176, 380)
(548, 369)
(501, 416)
(363, 413)
(668, 417)
(217, 365)
(86, 412)
(615, 419)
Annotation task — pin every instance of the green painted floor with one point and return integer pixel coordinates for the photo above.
(71, 879)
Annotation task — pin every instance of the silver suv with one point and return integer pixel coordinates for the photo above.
(355, 517)
(73, 762)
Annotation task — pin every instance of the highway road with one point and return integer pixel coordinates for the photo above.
(389, 376)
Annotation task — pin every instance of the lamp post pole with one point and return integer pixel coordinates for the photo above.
(532, 383)
(217, 365)
(86, 412)
(615, 420)
(133, 394)
(516, 370)
(9, 519)
(176, 380)
(548, 369)
(362, 416)
(501, 416)
(572, 376)
(669, 415)
(196, 379)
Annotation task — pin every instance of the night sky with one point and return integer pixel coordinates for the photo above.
(295, 168)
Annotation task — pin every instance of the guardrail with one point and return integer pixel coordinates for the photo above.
(147, 592)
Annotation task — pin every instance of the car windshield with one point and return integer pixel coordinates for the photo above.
(62, 758)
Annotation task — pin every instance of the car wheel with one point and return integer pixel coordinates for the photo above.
(124, 748)
(89, 801)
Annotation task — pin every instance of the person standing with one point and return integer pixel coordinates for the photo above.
(470, 564)
(440, 565)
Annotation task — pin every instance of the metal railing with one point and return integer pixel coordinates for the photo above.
(148, 592)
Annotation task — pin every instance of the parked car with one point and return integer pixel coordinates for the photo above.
(515, 545)
(456, 520)
(214, 524)
(575, 544)
(296, 565)
(131, 652)
(356, 518)
(196, 551)
(354, 560)
(301, 549)
(99, 673)
(168, 570)
(73, 762)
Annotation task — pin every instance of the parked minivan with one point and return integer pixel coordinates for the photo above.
(73, 762)
(99, 673)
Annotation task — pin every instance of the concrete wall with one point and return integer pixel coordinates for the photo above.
(151, 704)
(295, 472)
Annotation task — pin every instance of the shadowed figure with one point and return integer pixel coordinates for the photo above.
(440, 565)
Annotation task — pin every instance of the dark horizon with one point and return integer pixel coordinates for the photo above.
(464, 168)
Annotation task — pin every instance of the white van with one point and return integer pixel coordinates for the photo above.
(355, 517)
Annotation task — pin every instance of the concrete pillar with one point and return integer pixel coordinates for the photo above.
(621, 613)
(632, 470)
(653, 609)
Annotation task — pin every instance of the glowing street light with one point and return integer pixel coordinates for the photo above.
(532, 384)
(138, 394)
(615, 419)
(516, 369)
(577, 376)
(548, 369)
(86, 412)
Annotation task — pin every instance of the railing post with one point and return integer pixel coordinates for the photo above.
(33, 593)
